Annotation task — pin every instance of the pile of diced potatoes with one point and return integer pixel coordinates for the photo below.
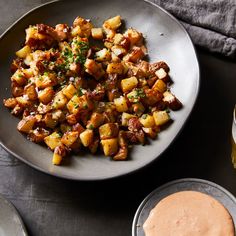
(131, 99)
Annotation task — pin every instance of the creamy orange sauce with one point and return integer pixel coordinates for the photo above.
(189, 213)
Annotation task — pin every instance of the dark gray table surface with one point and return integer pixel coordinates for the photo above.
(53, 206)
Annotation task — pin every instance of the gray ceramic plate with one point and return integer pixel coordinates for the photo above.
(204, 186)
(10, 221)
(166, 40)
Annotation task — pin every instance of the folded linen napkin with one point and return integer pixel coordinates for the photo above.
(210, 23)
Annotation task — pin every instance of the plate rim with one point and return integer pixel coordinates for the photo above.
(174, 182)
(16, 213)
(197, 89)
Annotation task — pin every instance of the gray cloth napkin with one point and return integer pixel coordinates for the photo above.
(210, 23)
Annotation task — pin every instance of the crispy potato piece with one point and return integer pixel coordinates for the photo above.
(19, 78)
(121, 104)
(97, 33)
(103, 55)
(135, 37)
(108, 130)
(69, 91)
(23, 52)
(26, 124)
(85, 26)
(46, 95)
(160, 86)
(136, 54)
(161, 117)
(94, 69)
(113, 23)
(59, 101)
(129, 84)
(95, 121)
(118, 50)
(46, 80)
(125, 118)
(86, 137)
(53, 140)
(171, 100)
(30, 91)
(77, 104)
(110, 146)
(37, 135)
(69, 138)
(115, 68)
(10, 102)
(151, 133)
(59, 152)
(147, 121)
(94, 145)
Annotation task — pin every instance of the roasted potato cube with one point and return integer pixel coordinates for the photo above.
(136, 95)
(147, 121)
(95, 121)
(108, 130)
(125, 118)
(85, 26)
(113, 23)
(59, 152)
(46, 80)
(108, 44)
(19, 77)
(69, 138)
(93, 68)
(172, 102)
(161, 74)
(69, 91)
(118, 38)
(37, 135)
(53, 140)
(49, 121)
(23, 101)
(128, 84)
(110, 146)
(59, 101)
(136, 54)
(160, 86)
(121, 104)
(78, 127)
(79, 103)
(94, 146)
(86, 137)
(73, 104)
(151, 133)
(26, 124)
(64, 127)
(46, 95)
(138, 108)
(30, 91)
(76, 31)
(161, 117)
(115, 68)
(135, 37)
(103, 55)
(23, 52)
(97, 33)
(56, 159)
(115, 58)
(10, 102)
(119, 51)
(16, 90)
